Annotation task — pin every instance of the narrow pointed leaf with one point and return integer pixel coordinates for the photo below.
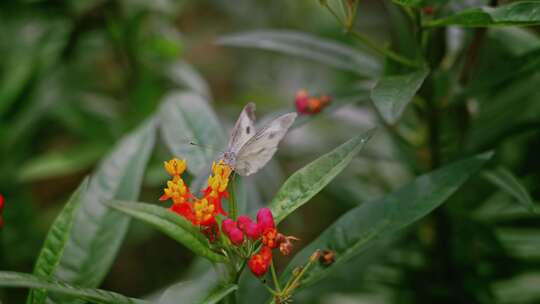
(392, 93)
(358, 229)
(307, 46)
(311, 179)
(25, 280)
(505, 180)
(219, 293)
(171, 224)
(98, 231)
(519, 13)
(55, 242)
(186, 117)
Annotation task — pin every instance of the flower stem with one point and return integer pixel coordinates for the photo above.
(382, 50)
(232, 198)
(275, 278)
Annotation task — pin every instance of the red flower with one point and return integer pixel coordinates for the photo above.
(260, 262)
(269, 238)
(309, 105)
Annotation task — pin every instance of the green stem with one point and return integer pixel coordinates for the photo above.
(232, 198)
(275, 278)
(383, 51)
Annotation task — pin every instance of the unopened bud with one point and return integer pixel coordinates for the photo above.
(327, 257)
(296, 271)
(315, 256)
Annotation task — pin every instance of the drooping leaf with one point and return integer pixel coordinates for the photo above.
(55, 242)
(311, 179)
(171, 224)
(187, 118)
(520, 13)
(60, 163)
(25, 280)
(98, 231)
(392, 93)
(185, 75)
(505, 180)
(358, 229)
(307, 46)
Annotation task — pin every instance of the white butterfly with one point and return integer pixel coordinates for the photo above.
(249, 150)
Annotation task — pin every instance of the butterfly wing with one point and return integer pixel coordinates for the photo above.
(260, 148)
(244, 129)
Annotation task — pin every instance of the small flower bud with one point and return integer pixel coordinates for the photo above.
(1, 203)
(315, 256)
(297, 270)
(265, 219)
(175, 166)
(243, 221)
(327, 257)
(253, 231)
(231, 230)
(236, 236)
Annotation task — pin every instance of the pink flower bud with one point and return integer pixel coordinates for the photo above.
(265, 219)
(236, 236)
(227, 226)
(243, 221)
(253, 231)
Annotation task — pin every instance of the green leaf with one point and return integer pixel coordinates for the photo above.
(307, 46)
(219, 293)
(392, 93)
(193, 292)
(360, 228)
(186, 117)
(308, 181)
(185, 75)
(413, 3)
(171, 224)
(505, 180)
(98, 231)
(55, 242)
(520, 13)
(56, 164)
(16, 279)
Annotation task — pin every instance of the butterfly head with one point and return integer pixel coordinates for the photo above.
(229, 158)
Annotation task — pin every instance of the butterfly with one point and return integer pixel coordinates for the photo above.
(249, 150)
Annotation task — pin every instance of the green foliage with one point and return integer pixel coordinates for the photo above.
(97, 231)
(307, 46)
(187, 119)
(360, 227)
(171, 224)
(55, 242)
(15, 279)
(521, 13)
(393, 93)
(311, 179)
(505, 180)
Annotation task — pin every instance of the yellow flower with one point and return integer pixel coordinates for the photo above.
(175, 166)
(176, 190)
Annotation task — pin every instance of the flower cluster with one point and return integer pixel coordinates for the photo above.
(309, 105)
(1, 211)
(245, 230)
(200, 211)
(244, 234)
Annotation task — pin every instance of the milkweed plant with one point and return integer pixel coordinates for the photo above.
(432, 96)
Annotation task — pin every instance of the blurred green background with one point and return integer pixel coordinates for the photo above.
(77, 75)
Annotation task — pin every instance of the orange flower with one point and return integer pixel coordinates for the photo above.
(201, 212)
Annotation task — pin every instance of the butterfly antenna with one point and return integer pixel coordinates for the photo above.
(192, 143)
